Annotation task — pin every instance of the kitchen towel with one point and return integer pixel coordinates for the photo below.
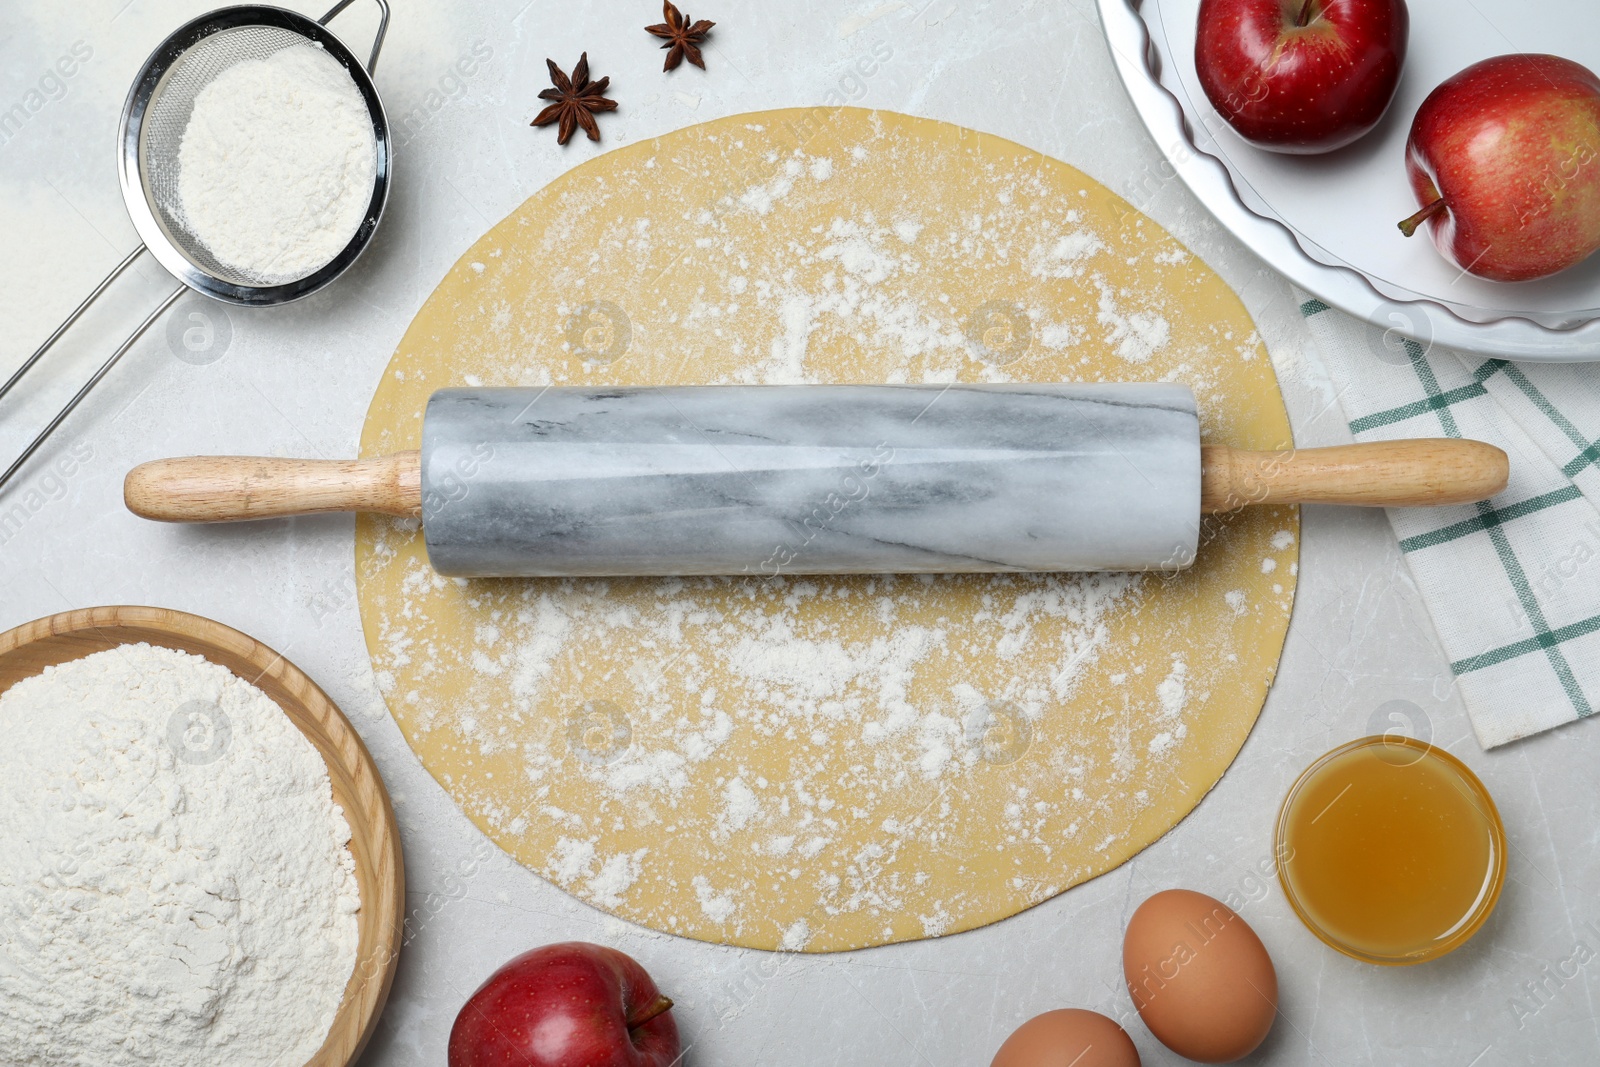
(1512, 583)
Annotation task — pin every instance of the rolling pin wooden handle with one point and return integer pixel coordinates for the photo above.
(231, 488)
(1396, 474)
(1415, 473)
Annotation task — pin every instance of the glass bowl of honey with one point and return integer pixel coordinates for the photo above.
(1390, 850)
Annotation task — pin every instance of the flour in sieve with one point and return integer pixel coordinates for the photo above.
(276, 165)
(174, 877)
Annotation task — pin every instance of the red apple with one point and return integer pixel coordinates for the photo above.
(1301, 76)
(567, 1005)
(1505, 161)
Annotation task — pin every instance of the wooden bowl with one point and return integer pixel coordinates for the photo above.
(374, 837)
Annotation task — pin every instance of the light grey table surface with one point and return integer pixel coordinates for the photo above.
(297, 380)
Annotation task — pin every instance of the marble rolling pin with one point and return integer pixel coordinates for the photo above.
(813, 479)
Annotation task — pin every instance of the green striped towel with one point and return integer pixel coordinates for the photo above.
(1512, 583)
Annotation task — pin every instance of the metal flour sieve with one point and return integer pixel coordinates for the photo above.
(153, 120)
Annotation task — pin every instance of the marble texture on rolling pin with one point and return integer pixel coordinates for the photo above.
(826, 479)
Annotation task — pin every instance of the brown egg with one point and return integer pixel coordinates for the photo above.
(1069, 1037)
(1200, 977)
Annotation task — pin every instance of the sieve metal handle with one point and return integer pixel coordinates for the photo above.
(105, 367)
(77, 313)
(377, 41)
(122, 349)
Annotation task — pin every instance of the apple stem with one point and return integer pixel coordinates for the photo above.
(658, 1006)
(1409, 226)
(1305, 14)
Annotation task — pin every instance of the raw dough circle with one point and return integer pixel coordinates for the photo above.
(826, 764)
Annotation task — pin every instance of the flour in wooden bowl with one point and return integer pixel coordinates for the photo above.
(174, 873)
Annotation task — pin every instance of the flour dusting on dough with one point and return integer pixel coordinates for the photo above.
(775, 759)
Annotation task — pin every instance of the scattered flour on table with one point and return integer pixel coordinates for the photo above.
(276, 165)
(174, 873)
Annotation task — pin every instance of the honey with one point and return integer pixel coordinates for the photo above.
(1391, 850)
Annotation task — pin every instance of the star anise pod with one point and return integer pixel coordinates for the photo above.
(576, 99)
(681, 36)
